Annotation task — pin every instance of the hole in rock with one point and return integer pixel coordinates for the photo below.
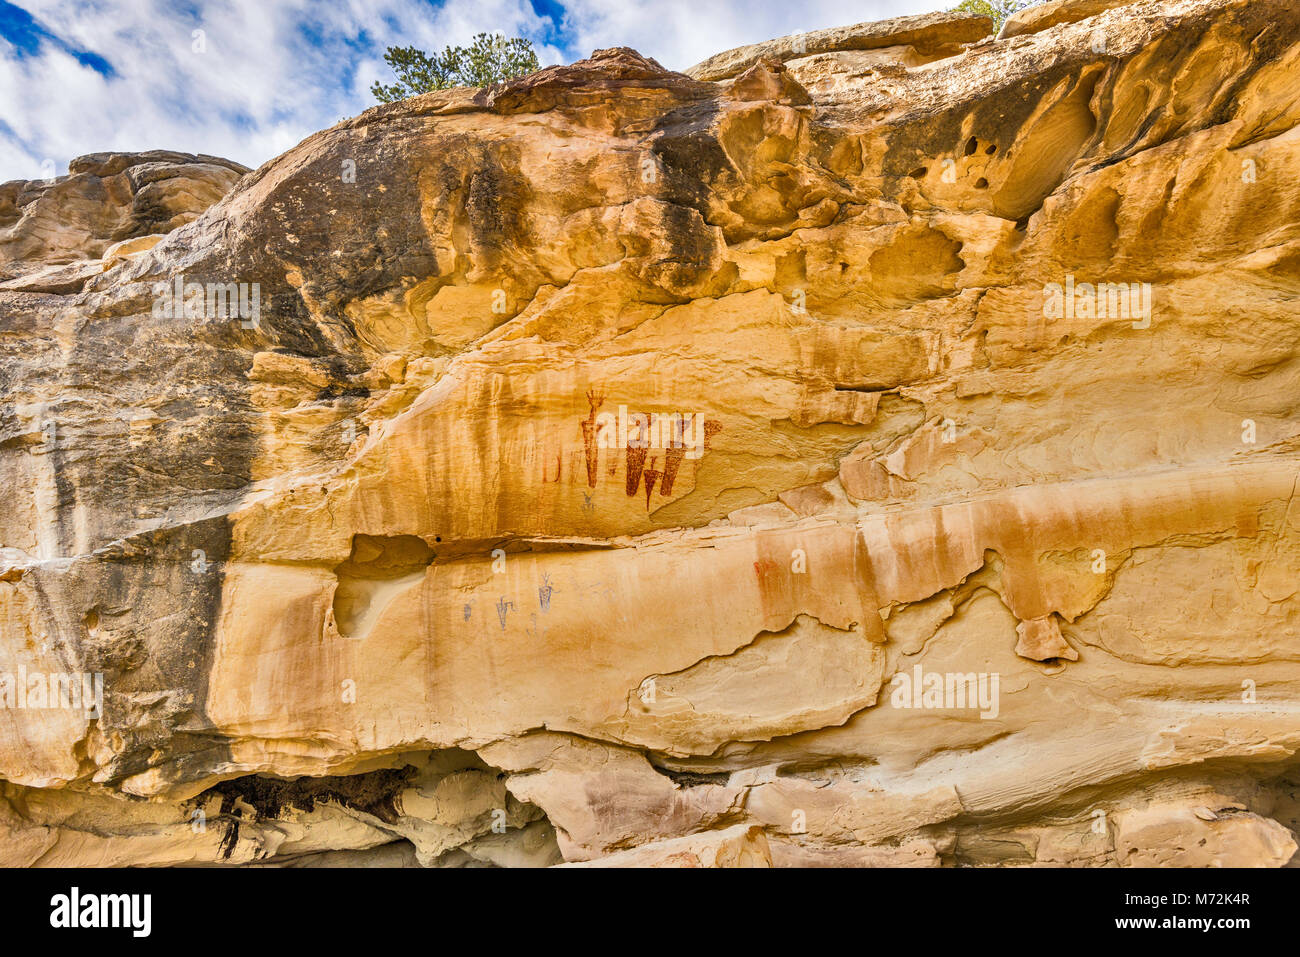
(379, 569)
(1046, 150)
(444, 808)
(374, 792)
(919, 263)
(692, 779)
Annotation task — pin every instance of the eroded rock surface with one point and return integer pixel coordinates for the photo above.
(930, 36)
(106, 200)
(621, 466)
(1040, 16)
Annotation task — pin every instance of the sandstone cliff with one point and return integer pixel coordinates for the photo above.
(620, 465)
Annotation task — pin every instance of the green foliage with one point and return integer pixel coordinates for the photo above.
(999, 10)
(491, 58)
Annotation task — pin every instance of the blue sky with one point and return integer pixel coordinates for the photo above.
(247, 79)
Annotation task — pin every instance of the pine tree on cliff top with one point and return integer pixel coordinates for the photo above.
(490, 58)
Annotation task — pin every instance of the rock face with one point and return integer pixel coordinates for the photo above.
(1040, 16)
(105, 200)
(847, 463)
(920, 39)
